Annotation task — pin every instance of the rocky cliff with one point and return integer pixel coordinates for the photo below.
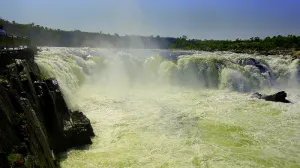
(35, 122)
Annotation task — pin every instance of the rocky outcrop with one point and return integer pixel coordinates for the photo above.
(253, 62)
(35, 122)
(277, 97)
(263, 68)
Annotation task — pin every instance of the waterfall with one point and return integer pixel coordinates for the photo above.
(191, 109)
(74, 67)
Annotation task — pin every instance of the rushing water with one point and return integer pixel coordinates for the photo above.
(194, 112)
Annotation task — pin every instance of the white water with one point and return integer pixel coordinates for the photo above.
(157, 113)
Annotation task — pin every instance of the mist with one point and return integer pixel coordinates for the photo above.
(152, 104)
(128, 68)
(149, 109)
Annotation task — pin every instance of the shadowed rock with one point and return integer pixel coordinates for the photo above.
(253, 62)
(35, 122)
(277, 97)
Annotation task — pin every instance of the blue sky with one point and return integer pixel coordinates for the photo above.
(204, 19)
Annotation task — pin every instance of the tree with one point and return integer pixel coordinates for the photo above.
(44, 36)
(257, 39)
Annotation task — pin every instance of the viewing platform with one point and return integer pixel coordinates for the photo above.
(16, 47)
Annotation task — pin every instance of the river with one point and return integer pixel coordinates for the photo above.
(191, 111)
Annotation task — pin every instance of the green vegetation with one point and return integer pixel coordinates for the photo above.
(269, 45)
(15, 159)
(44, 36)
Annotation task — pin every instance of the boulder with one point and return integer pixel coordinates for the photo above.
(277, 97)
(81, 131)
(253, 62)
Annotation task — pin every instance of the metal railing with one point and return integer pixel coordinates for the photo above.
(11, 42)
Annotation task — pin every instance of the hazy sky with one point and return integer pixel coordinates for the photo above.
(210, 19)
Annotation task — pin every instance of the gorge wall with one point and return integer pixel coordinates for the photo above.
(35, 122)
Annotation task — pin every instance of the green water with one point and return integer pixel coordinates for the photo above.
(196, 112)
(177, 127)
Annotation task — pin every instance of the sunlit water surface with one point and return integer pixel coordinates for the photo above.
(170, 126)
(176, 127)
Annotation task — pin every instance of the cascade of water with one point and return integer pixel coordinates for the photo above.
(155, 111)
(72, 67)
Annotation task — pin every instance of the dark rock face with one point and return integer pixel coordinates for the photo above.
(259, 65)
(82, 130)
(277, 97)
(253, 62)
(35, 122)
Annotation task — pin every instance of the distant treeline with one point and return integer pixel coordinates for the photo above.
(255, 44)
(44, 36)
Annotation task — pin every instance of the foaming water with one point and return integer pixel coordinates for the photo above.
(167, 123)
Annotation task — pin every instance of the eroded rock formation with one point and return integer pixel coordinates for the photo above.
(35, 122)
(277, 97)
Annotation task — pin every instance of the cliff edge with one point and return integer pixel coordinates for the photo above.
(35, 122)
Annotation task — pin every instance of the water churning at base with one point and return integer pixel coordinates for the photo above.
(192, 111)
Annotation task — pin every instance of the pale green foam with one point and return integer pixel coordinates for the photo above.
(145, 114)
(177, 127)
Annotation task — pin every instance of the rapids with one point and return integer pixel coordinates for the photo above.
(191, 111)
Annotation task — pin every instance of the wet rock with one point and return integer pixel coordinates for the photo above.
(277, 97)
(263, 69)
(253, 62)
(80, 120)
(35, 121)
(81, 131)
(52, 84)
(256, 95)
